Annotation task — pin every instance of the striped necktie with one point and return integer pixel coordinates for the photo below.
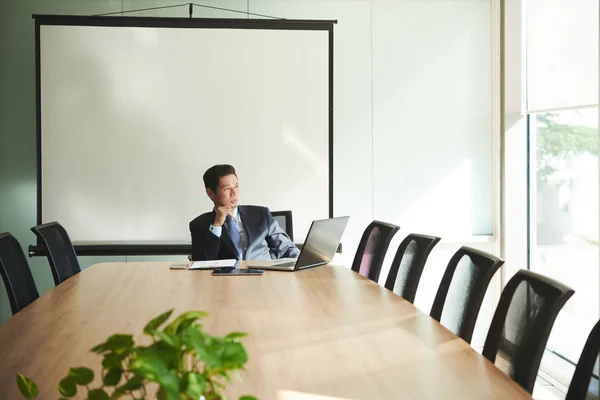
(234, 234)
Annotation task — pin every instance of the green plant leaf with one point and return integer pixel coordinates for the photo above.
(153, 361)
(558, 141)
(156, 322)
(187, 323)
(170, 382)
(112, 360)
(134, 383)
(81, 375)
(97, 394)
(27, 387)
(115, 342)
(158, 363)
(171, 340)
(194, 384)
(112, 377)
(183, 321)
(236, 335)
(67, 387)
(246, 397)
(203, 345)
(234, 355)
(218, 354)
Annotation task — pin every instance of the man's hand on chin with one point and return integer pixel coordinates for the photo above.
(222, 213)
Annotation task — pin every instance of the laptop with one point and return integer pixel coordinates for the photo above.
(320, 246)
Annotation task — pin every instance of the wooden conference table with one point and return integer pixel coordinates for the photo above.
(320, 333)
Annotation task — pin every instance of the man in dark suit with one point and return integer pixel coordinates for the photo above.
(234, 231)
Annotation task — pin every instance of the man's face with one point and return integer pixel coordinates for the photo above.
(227, 193)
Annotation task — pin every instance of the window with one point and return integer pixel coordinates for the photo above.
(563, 238)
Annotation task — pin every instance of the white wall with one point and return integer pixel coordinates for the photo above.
(432, 115)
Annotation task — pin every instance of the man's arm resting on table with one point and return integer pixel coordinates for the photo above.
(279, 242)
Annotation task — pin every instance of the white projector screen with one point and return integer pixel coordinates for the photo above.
(130, 117)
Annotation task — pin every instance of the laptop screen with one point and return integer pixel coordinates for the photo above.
(321, 242)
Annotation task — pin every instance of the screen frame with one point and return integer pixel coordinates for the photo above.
(107, 249)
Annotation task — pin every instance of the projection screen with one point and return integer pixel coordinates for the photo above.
(132, 111)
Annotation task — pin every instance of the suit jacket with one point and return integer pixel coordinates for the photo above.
(266, 239)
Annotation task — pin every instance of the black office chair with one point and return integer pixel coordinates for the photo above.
(461, 292)
(284, 219)
(407, 267)
(61, 254)
(372, 249)
(16, 274)
(578, 389)
(528, 307)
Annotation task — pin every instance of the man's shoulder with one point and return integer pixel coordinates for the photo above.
(253, 209)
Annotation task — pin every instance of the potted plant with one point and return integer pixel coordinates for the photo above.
(183, 361)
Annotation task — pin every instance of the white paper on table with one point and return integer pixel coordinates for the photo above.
(229, 263)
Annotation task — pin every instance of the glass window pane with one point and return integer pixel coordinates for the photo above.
(564, 217)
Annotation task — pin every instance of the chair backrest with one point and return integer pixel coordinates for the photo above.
(407, 267)
(372, 249)
(519, 331)
(461, 292)
(578, 389)
(284, 219)
(16, 274)
(61, 254)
